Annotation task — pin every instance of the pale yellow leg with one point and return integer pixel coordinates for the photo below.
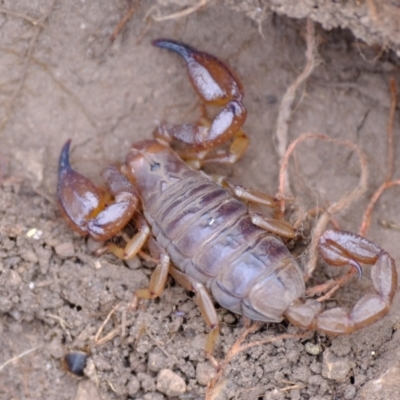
(196, 159)
(135, 244)
(277, 226)
(205, 303)
(159, 276)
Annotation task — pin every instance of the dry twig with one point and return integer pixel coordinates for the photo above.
(366, 221)
(335, 207)
(23, 354)
(215, 386)
(33, 21)
(128, 15)
(334, 285)
(285, 109)
(97, 340)
(177, 15)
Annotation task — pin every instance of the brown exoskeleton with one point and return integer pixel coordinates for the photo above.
(202, 234)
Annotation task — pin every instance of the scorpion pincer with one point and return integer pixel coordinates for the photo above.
(202, 233)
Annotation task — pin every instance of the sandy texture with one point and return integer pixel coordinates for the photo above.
(63, 78)
(375, 22)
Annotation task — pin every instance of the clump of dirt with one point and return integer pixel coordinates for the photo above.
(63, 78)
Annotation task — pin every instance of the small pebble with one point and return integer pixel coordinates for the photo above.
(134, 263)
(169, 383)
(65, 249)
(30, 256)
(34, 233)
(335, 368)
(204, 373)
(349, 392)
(156, 361)
(341, 346)
(229, 319)
(87, 390)
(313, 348)
(133, 385)
(14, 278)
(93, 245)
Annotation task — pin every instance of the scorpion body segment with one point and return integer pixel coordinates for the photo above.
(216, 243)
(210, 237)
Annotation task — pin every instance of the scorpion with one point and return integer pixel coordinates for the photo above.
(204, 233)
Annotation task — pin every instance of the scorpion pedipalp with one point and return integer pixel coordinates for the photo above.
(79, 199)
(213, 81)
(89, 209)
(217, 86)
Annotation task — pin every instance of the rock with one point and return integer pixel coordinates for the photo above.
(313, 348)
(335, 368)
(156, 361)
(86, 390)
(169, 383)
(386, 386)
(65, 249)
(204, 373)
(133, 385)
(30, 256)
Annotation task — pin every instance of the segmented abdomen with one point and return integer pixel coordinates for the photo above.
(209, 236)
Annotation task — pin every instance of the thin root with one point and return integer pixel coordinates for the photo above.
(340, 205)
(111, 334)
(128, 15)
(285, 109)
(23, 354)
(215, 385)
(366, 221)
(33, 21)
(334, 285)
(177, 15)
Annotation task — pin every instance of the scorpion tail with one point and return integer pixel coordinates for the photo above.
(339, 248)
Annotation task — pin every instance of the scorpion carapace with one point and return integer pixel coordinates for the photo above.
(206, 237)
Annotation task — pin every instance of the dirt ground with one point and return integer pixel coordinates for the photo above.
(63, 78)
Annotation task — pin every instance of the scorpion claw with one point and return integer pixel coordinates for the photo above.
(79, 199)
(212, 80)
(87, 208)
(216, 85)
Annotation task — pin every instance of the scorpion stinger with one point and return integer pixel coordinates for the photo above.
(340, 248)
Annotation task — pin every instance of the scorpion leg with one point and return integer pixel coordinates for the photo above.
(216, 85)
(159, 276)
(205, 303)
(339, 248)
(89, 209)
(134, 244)
(277, 226)
(196, 159)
